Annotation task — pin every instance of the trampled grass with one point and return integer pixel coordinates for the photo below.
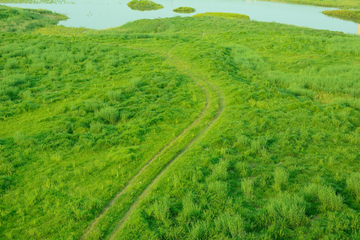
(81, 114)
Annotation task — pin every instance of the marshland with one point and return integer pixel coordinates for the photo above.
(208, 125)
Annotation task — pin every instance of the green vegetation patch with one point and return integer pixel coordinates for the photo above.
(324, 3)
(184, 10)
(144, 5)
(23, 20)
(223, 15)
(352, 15)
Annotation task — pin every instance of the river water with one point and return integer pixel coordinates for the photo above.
(102, 14)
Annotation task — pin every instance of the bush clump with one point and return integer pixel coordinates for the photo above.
(223, 15)
(184, 10)
(144, 5)
(353, 184)
(109, 115)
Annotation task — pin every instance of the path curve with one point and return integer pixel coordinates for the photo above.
(147, 189)
(177, 64)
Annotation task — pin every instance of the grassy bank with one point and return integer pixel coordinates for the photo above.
(24, 20)
(223, 15)
(273, 154)
(324, 3)
(352, 15)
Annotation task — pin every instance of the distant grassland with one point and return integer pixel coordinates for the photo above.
(37, 1)
(324, 3)
(223, 15)
(21, 20)
(81, 112)
(352, 15)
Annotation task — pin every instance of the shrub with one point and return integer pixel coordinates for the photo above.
(219, 171)
(6, 168)
(290, 208)
(281, 177)
(92, 105)
(184, 10)
(161, 209)
(242, 141)
(109, 115)
(232, 225)
(353, 184)
(199, 230)
(19, 138)
(325, 195)
(247, 186)
(114, 95)
(242, 168)
(11, 64)
(10, 92)
(14, 80)
(96, 127)
(189, 207)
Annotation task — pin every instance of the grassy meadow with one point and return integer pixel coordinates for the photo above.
(211, 127)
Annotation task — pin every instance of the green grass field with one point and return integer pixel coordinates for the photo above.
(179, 128)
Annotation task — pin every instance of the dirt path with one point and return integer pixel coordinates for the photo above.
(180, 66)
(147, 189)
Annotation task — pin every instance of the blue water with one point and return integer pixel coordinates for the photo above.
(102, 14)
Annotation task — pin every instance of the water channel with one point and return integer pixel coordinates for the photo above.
(102, 14)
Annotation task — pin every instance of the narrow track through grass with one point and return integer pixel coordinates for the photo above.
(178, 63)
(206, 87)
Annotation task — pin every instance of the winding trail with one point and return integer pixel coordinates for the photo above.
(200, 82)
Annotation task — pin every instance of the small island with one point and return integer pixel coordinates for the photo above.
(144, 5)
(184, 10)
